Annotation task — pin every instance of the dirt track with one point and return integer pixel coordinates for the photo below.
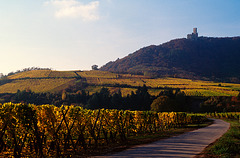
(186, 145)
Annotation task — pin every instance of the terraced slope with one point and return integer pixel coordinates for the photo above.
(40, 81)
(36, 85)
(190, 87)
(31, 74)
(93, 81)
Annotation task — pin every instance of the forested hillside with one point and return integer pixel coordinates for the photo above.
(204, 58)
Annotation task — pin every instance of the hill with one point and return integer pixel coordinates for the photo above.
(39, 81)
(92, 81)
(205, 58)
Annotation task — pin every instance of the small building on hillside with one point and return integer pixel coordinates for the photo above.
(194, 35)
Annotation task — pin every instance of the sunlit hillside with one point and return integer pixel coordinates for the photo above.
(93, 81)
(36, 85)
(31, 74)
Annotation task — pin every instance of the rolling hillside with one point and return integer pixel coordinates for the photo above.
(205, 58)
(92, 81)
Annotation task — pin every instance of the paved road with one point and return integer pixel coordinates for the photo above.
(186, 145)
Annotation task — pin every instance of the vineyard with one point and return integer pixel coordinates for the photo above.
(39, 81)
(47, 130)
(31, 74)
(62, 74)
(112, 81)
(97, 74)
(226, 115)
(36, 85)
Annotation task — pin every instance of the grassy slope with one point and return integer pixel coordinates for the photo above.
(227, 146)
(52, 81)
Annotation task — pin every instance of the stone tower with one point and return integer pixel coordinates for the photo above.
(194, 35)
(195, 30)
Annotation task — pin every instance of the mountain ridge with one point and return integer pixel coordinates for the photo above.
(209, 58)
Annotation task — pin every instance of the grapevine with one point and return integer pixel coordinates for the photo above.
(47, 130)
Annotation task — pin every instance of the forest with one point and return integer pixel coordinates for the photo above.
(206, 58)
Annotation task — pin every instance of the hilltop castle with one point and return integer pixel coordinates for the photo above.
(194, 35)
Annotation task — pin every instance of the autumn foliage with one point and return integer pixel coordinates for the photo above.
(46, 130)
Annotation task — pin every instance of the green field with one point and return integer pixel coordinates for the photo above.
(54, 81)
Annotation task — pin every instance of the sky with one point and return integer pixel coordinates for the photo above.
(76, 34)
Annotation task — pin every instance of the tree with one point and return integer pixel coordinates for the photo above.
(64, 95)
(93, 102)
(162, 104)
(117, 100)
(143, 98)
(95, 67)
(100, 99)
(170, 100)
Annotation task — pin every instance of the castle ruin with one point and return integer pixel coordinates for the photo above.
(194, 35)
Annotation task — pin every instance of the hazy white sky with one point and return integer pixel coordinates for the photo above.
(76, 34)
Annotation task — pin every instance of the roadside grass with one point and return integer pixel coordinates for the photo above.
(228, 146)
(144, 139)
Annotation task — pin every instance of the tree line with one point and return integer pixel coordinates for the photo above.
(167, 100)
(138, 100)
